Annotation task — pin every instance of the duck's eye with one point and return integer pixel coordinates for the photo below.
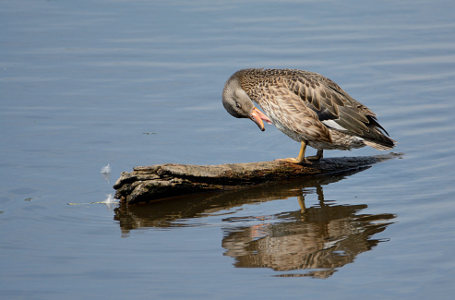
(237, 105)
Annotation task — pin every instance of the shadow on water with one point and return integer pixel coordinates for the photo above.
(315, 241)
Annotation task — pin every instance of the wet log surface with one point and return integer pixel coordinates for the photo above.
(161, 182)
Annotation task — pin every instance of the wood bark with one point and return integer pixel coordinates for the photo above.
(161, 182)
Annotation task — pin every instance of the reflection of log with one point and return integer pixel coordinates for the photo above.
(150, 183)
(168, 214)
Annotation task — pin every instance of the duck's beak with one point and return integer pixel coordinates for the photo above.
(257, 116)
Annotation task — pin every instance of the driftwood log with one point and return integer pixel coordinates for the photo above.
(161, 182)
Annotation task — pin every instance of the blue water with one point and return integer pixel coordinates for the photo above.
(87, 83)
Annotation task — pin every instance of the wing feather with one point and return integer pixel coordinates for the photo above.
(330, 102)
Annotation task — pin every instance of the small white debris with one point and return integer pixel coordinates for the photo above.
(109, 200)
(106, 170)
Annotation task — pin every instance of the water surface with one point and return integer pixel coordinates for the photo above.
(129, 83)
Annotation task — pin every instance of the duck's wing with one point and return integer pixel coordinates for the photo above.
(335, 108)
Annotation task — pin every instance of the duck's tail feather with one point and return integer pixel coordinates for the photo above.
(386, 143)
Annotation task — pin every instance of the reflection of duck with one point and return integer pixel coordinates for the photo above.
(307, 107)
(321, 239)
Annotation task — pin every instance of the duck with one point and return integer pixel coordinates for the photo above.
(307, 107)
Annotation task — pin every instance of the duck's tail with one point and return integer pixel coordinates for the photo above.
(377, 136)
(385, 143)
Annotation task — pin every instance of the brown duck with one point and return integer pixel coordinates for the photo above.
(307, 107)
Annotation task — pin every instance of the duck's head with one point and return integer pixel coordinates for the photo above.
(237, 102)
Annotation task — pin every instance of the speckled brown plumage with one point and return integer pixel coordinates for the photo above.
(298, 102)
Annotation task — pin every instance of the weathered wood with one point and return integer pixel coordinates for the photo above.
(152, 183)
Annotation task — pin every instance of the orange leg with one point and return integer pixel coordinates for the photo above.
(300, 159)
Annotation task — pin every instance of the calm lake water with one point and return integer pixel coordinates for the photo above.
(87, 83)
